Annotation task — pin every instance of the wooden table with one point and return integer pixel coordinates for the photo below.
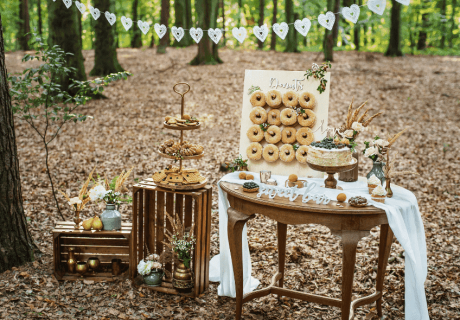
(350, 223)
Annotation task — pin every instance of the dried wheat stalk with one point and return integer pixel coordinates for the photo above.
(350, 109)
(366, 123)
(355, 114)
(393, 138)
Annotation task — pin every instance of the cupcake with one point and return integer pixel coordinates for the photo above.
(379, 194)
(373, 182)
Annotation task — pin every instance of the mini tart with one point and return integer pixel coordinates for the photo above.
(377, 198)
(307, 119)
(258, 115)
(273, 98)
(290, 99)
(287, 153)
(255, 133)
(288, 135)
(307, 100)
(250, 187)
(257, 99)
(305, 136)
(254, 151)
(271, 153)
(273, 134)
(274, 117)
(288, 117)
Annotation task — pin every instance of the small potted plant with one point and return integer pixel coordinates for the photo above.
(238, 164)
(111, 194)
(151, 270)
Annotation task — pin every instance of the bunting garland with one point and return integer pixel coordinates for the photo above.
(260, 32)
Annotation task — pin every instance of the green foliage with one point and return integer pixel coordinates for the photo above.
(319, 73)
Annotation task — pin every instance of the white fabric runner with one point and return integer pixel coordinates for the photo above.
(403, 217)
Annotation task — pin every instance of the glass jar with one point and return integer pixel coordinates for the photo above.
(111, 218)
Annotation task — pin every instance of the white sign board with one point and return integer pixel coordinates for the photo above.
(283, 81)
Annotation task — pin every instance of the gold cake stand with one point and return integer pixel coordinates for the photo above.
(330, 181)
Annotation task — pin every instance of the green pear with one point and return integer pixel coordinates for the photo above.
(87, 224)
(97, 224)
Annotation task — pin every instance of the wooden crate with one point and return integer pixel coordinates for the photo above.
(106, 245)
(150, 203)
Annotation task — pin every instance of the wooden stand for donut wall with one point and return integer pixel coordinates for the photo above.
(150, 204)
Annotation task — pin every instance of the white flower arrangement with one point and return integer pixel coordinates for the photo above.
(357, 126)
(370, 151)
(145, 267)
(97, 193)
(75, 200)
(348, 134)
(381, 143)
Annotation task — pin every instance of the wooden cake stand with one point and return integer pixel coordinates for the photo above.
(330, 181)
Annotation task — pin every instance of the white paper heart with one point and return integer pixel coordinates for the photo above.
(126, 22)
(81, 7)
(239, 34)
(215, 34)
(327, 20)
(178, 33)
(377, 6)
(111, 18)
(67, 3)
(160, 30)
(351, 13)
(94, 12)
(261, 33)
(196, 34)
(303, 26)
(281, 29)
(404, 2)
(144, 26)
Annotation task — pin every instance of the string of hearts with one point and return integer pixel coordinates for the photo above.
(261, 32)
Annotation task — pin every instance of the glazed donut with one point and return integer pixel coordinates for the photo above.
(305, 136)
(288, 117)
(287, 153)
(307, 100)
(307, 119)
(271, 153)
(255, 133)
(273, 134)
(274, 117)
(273, 98)
(290, 99)
(288, 135)
(257, 99)
(258, 115)
(301, 154)
(254, 151)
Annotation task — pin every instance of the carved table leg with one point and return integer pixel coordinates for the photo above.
(386, 239)
(282, 230)
(236, 222)
(350, 241)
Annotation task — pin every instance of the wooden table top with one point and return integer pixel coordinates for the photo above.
(69, 227)
(236, 190)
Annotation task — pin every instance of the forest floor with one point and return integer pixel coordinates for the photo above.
(419, 92)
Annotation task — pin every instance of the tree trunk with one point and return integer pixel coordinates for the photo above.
(206, 11)
(261, 20)
(223, 22)
(105, 52)
(335, 29)
(240, 5)
(357, 30)
(453, 25)
(422, 36)
(328, 42)
(39, 13)
(443, 23)
(63, 31)
(291, 43)
(394, 47)
(23, 25)
(16, 244)
(273, 38)
(164, 19)
(183, 18)
(136, 40)
(80, 28)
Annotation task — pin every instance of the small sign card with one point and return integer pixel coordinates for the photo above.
(283, 81)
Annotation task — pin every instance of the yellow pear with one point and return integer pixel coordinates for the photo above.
(97, 224)
(87, 224)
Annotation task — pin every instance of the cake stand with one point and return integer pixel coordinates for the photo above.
(330, 181)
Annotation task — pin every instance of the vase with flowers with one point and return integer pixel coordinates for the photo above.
(112, 194)
(151, 270)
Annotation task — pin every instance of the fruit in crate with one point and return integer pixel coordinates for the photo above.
(179, 150)
(87, 224)
(184, 121)
(97, 224)
(171, 176)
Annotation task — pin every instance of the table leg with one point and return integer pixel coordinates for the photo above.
(236, 222)
(282, 230)
(386, 239)
(350, 241)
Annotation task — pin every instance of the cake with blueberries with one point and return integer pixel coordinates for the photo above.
(330, 152)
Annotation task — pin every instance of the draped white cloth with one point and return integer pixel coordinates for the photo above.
(403, 217)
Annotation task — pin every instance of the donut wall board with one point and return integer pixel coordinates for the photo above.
(251, 141)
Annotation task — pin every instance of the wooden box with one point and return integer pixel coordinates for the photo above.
(105, 245)
(149, 222)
